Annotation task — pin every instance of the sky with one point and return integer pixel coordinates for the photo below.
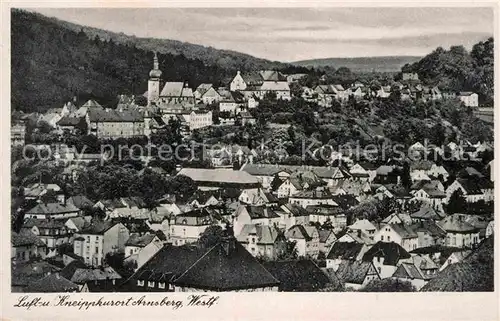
(292, 34)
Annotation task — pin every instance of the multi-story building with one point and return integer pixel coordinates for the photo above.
(99, 239)
(187, 227)
(51, 232)
(107, 123)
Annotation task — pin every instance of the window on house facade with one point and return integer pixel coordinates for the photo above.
(388, 238)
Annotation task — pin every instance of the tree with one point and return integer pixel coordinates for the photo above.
(457, 203)
(389, 285)
(405, 175)
(211, 236)
(290, 252)
(182, 187)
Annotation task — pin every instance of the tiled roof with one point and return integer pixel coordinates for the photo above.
(474, 274)
(301, 232)
(98, 115)
(333, 210)
(139, 240)
(52, 283)
(429, 227)
(80, 201)
(457, 223)
(91, 104)
(262, 211)
(275, 85)
(265, 234)
(324, 235)
(313, 194)
(45, 224)
(98, 228)
(84, 275)
(298, 276)
(220, 269)
(426, 213)
(404, 231)
(353, 271)
(408, 271)
(391, 252)
(218, 175)
(25, 237)
(52, 208)
(69, 121)
(363, 224)
(295, 210)
(345, 250)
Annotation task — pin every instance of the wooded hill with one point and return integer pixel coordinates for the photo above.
(457, 69)
(52, 62)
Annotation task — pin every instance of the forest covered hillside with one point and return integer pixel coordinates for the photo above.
(362, 64)
(52, 62)
(457, 69)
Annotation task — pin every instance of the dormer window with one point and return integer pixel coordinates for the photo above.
(140, 282)
(151, 284)
(161, 285)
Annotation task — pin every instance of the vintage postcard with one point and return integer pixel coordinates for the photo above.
(167, 160)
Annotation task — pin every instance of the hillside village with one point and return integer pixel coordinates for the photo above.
(231, 214)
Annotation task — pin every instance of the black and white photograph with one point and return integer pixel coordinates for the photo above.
(332, 149)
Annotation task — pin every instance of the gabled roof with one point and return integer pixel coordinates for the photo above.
(301, 232)
(25, 237)
(52, 283)
(408, 271)
(353, 271)
(98, 227)
(223, 267)
(265, 234)
(176, 89)
(69, 121)
(363, 224)
(92, 104)
(298, 276)
(324, 210)
(295, 210)
(138, 240)
(218, 175)
(391, 252)
(324, 235)
(404, 231)
(456, 223)
(80, 201)
(52, 208)
(345, 251)
(84, 275)
(257, 212)
(474, 273)
(429, 227)
(426, 213)
(115, 116)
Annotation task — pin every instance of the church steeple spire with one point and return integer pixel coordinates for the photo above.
(155, 62)
(155, 72)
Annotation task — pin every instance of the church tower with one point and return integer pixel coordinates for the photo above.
(154, 82)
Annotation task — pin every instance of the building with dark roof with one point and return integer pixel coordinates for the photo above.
(226, 266)
(98, 239)
(342, 251)
(298, 275)
(26, 245)
(356, 274)
(386, 257)
(52, 283)
(262, 241)
(110, 123)
(458, 231)
(46, 211)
